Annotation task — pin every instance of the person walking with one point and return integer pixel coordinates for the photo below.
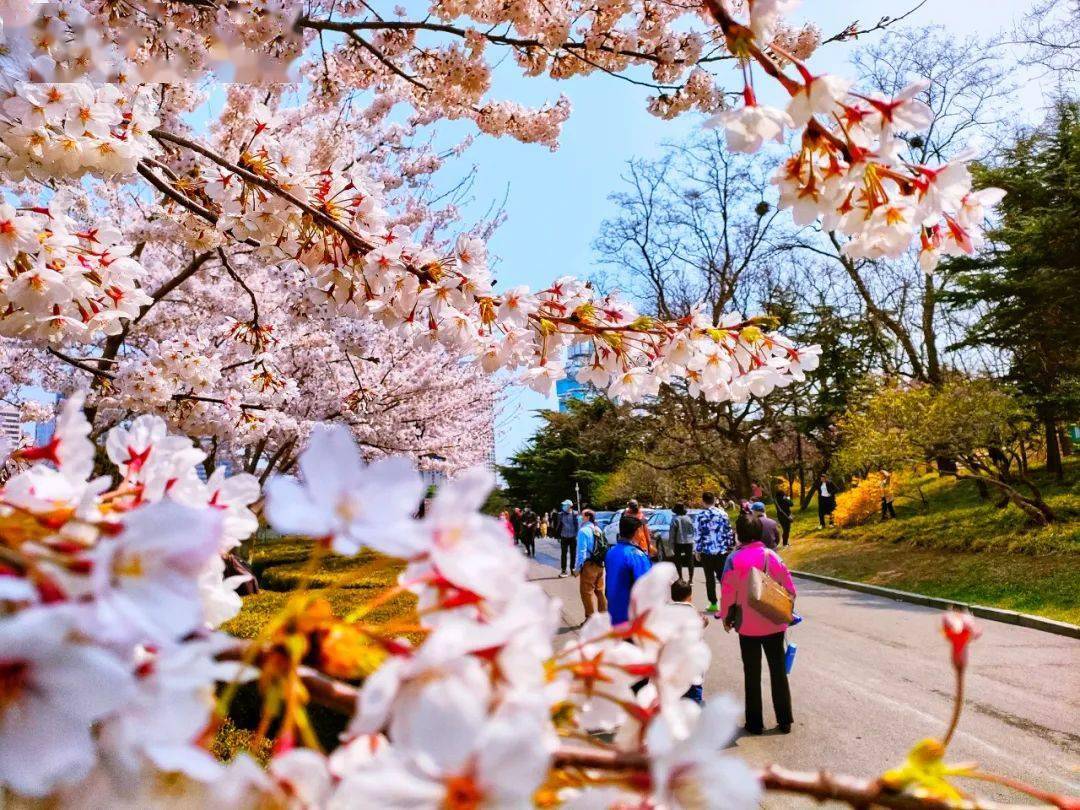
(887, 496)
(624, 565)
(591, 554)
(681, 535)
(530, 526)
(757, 633)
(567, 524)
(515, 522)
(826, 500)
(770, 529)
(784, 506)
(714, 540)
(641, 536)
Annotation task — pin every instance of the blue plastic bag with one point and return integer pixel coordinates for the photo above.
(789, 656)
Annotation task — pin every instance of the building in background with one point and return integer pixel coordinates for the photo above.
(568, 388)
(10, 428)
(43, 432)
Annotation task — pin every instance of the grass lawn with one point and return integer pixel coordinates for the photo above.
(280, 564)
(962, 548)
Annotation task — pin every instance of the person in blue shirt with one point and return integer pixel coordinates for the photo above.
(715, 539)
(567, 523)
(590, 566)
(625, 564)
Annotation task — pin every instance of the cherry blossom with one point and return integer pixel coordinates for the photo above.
(352, 505)
(54, 688)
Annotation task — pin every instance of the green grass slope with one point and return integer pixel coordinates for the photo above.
(961, 547)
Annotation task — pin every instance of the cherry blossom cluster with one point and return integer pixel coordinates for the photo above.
(108, 591)
(109, 588)
(848, 170)
(151, 40)
(439, 63)
(62, 282)
(471, 716)
(72, 129)
(333, 222)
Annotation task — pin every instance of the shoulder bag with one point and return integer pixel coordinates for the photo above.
(768, 597)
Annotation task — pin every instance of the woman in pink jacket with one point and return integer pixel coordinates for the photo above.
(757, 633)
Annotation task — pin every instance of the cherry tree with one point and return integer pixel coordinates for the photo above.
(228, 273)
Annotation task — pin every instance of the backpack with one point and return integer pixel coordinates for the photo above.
(599, 549)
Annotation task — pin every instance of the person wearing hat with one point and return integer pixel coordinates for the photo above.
(567, 525)
(770, 529)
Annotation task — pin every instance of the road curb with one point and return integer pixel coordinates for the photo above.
(983, 612)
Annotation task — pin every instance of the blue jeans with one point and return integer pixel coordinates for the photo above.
(696, 694)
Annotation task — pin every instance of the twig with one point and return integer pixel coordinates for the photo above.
(854, 32)
(236, 277)
(79, 364)
(181, 199)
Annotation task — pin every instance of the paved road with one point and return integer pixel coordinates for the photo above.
(872, 677)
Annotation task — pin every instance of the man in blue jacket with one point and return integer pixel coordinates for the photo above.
(625, 564)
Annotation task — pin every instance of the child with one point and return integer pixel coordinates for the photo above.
(681, 593)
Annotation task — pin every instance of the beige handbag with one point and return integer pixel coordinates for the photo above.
(768, 597)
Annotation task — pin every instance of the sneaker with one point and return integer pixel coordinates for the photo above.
(712, 608)
(562, 574)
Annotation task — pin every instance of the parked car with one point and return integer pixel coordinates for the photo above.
(660, 528)
(603, 519)
(611, 531)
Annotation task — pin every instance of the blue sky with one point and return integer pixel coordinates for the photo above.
(556, 201)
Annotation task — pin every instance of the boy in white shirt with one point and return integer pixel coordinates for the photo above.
(681, 594)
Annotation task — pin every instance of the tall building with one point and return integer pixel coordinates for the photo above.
(10, 428)
(578, 356)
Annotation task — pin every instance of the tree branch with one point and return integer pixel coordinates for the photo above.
(324, 219)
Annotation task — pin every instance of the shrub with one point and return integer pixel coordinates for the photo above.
(860, 502)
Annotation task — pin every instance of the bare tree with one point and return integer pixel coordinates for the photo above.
(694, 226)
(1051, 31)
(697, 225)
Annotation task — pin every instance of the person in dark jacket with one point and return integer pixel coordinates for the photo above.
(783, 515)
(624, 565)
(567, 524)
(826, 501)
(515, 523)
(530, 527)
(770, 529)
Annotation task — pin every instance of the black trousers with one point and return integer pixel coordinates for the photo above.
(528, 540)
(825, 507)
(785, 528)
(684, 556)
(751, 647)
(713, 565)
(887, 509)
(567, 545)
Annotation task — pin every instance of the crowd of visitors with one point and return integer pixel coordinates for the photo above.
(748, 588)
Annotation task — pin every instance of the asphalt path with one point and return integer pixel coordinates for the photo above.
(872, 677)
